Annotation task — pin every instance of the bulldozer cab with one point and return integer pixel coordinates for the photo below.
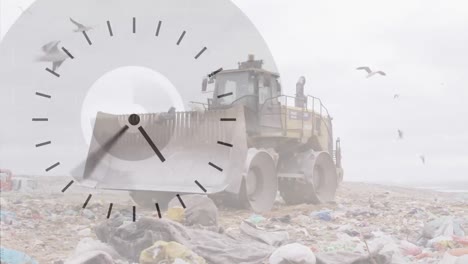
(232, 87)
(251, 88)
(269, 113)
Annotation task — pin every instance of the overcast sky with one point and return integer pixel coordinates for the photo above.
(420, 44)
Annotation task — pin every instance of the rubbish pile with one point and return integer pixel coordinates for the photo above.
(9, 183)
(12, 256)
(367, 224)
(188, 238)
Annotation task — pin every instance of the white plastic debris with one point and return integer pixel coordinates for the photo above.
(293, 253)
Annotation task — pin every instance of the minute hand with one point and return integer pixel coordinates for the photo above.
(150, 142)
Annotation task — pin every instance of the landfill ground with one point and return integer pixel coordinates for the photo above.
(47, 224)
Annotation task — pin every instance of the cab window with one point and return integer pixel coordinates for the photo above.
(264, 89)
(235, 83)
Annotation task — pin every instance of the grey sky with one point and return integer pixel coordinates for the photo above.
(421, 45)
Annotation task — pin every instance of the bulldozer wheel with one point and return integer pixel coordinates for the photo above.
(260, 182)
(148, 199)
(319, 183)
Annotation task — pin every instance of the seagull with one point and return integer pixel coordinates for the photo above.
(396, 96)
(400, 134)
(423, 159)
(53, 54)
(371, 73)
(81, 27)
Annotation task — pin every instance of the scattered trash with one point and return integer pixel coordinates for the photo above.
(7, 217)
(89, 244)
(85, 232)
(293, 254)
(343, 242)
(131, 239)
(451, 259)
(70, 212)
(256, 219)
(352, 233)
(394, 226)
(461, 240)
(176, 214)
(95, 257)
(325, 215)
(200, 211)
(343, 257)
(441, 243)
(410, 249)
(6, 182)
(9, 183)
(458, 252)
(444, 226)
(169, 252)
(283, 219)
(23, 184)
(10, 256)
(277, 238)
(89, 214)
(89, 250)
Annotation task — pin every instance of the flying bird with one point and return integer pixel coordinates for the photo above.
(81, 27)
(371, 73)
(423, 159)
(53, 54)
(400, 134)
(396, 96)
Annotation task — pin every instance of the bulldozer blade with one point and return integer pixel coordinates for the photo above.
(204, 152)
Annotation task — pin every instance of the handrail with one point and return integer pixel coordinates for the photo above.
(199, 103)
(321, 104)
(294, 97)
(306, 107)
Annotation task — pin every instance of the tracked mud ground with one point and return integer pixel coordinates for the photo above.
(48, 224)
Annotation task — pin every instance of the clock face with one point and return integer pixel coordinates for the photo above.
(103, 92)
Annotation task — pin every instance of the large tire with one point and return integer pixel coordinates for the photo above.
(148, 199)
(260, 183)
(319, 183)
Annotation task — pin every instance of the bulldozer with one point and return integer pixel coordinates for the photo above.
(246, 143)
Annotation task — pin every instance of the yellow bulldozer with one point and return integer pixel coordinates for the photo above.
(246, 143)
